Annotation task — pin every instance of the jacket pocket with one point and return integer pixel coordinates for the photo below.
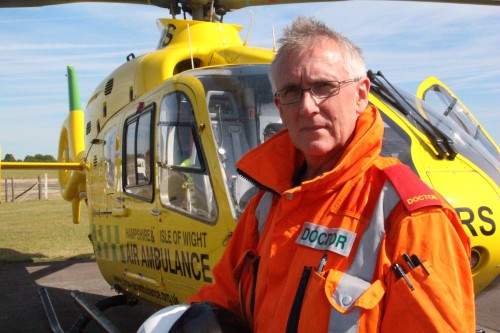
(334, 300)
(346, 292)
(245, 273)
(429, 307)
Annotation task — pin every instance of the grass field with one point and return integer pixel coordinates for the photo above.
(28, 173)
(42, 231)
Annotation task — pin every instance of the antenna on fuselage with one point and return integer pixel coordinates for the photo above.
(190, 47)
(249, 27)
(274, 41)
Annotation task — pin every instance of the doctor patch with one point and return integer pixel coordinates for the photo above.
(330, 239)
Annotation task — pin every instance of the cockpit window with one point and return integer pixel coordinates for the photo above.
(448, 106)
(396, 142)
(242, 115)
(449, 130)
(465, 144)
(184, 180)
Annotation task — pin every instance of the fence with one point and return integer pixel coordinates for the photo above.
(29, 189)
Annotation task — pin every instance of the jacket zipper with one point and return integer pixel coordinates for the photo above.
(256, 183)
(293, 319)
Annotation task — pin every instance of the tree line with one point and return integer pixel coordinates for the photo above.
(30, 158)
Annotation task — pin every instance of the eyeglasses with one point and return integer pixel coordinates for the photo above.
(320, 90)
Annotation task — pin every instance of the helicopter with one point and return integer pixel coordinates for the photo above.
(153, 155)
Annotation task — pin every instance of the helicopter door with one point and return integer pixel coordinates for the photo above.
(190, 233)
(439, 96)
(136, 211)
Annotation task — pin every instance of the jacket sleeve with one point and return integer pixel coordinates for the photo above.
(225, 290)
(443, 296)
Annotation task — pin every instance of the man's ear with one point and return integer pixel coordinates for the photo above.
(363, 93)
(277, 103)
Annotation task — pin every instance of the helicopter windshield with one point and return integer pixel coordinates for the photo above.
(242, 115)
(449, 134)
(452, 108)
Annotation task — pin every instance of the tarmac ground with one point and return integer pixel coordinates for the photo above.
(21, 308)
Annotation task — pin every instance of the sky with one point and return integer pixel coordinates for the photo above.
(407, 41)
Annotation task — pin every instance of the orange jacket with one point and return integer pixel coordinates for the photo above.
(273, 279)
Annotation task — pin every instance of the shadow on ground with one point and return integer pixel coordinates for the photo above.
(21, 309)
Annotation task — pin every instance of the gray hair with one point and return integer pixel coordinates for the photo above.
(305, 32)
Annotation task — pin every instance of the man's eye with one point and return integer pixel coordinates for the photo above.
(290, 92)
(325, 87)
(328, 85)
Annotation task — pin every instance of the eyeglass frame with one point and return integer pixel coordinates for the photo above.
(310, 89)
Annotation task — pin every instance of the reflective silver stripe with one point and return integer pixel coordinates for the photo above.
(262, 210)
(357, 278)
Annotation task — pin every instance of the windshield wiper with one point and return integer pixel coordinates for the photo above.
(450, 107)
(442, 144)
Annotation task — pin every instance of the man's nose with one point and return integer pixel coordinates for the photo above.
(308, 103)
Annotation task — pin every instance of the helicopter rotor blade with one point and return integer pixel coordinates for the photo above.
(39, 3)
(227, 4)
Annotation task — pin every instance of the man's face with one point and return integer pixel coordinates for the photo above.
(320, 127)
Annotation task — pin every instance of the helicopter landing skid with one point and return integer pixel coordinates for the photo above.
(92, 312)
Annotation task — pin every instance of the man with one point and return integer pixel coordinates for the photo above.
(333, 241)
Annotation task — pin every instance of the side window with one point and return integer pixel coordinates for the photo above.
(110, 158)
(184, 180)
(138, 160)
